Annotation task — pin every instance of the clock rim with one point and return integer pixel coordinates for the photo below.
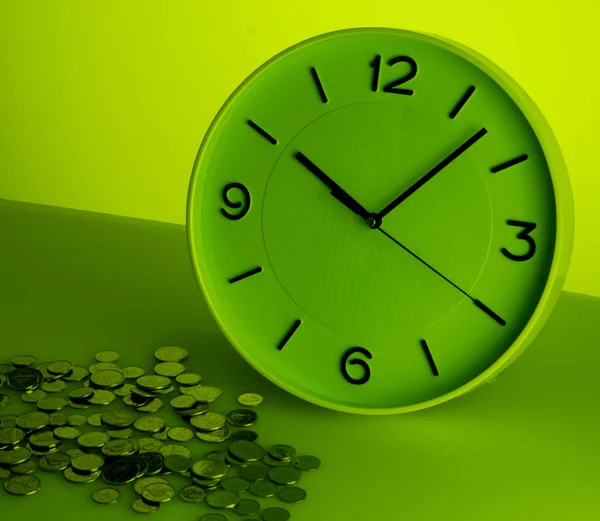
(564, 206)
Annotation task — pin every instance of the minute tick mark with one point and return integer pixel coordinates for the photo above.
(262, 132)
(319, 85)
(429, 358)
(253, 271)
(507, 164)
(289, 334)
(462, 101)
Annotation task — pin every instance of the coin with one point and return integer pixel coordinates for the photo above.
(4, 400)
(242, 417)
(158, 492)
(149, 424)
(263, 488)
(171, 369)
(275, 514)
(244, 435)
(14, 456)
(238, 485)
(284, 475)
(102, 397)
(33, 420)
(74, 477)
(142, 483)
(189, 389)
(307, 463)
(192, 494)
(8, 420)
(33, 396)
(254, 472)
(75, 405)
(77, 420)
(22, 485)
(209, 469)
(153, 406)
(207, 484)
(177, 450)
(24, 378)
(124, 390)
(107, 356)
(93, 440)
(83, 394)
(282, 452)
(154, 460)
(291, 494)
(60, 368)
(107, 379)
(204, 394)
(177, 464)
(188, 379)
(246, 451)
(132, 372)
(23, 361)
(104, 366)
(210, 421)
(120, 433)
(250, 399)
(185, 401)
(141, 507)
(87, 463)
(222, 499)
(194, 411)
(58, 419)
(181, 434)
(106, 496)
(95, 420)
(67, 433)
(54, 462)
(119, 447)
(11, 436)
(213, 517)
(55, 386)
(217, 436)
(171, 354)
(77, 374)
(4, 473)
(153, 382)
(5, 368)
(119, 418)
(247, 507)
(217, 455)
(121, 472)
(24, 468)
(149, 445)
(52, 404)
(268, 460)
(168, 390)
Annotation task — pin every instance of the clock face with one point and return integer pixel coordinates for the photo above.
(373, 220)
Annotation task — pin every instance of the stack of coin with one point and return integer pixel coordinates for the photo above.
(131, 444)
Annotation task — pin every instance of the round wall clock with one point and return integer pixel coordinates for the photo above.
(379, 220)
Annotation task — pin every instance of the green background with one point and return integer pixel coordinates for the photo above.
(104, 104)
(524, 448)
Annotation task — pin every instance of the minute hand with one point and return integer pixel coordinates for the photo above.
(435, 170)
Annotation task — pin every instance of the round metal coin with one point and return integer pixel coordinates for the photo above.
(263, 488)
(291, 494)
(54, 462)
(307, 463)
(106, 496)
(247, 507)
(107, 356)
(171, 354)
(250, 399)
(254, 472)
(22, 485)
(171, 369)
(192, 494)
(222, 499)
(275, 514)
(141, 507)
(158, 492)
(242, 417)
(142, 483)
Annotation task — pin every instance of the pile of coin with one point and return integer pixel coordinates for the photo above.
(129, 443)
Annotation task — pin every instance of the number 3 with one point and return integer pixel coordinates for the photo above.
(523, 234)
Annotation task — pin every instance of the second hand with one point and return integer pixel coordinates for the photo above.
(475, 301)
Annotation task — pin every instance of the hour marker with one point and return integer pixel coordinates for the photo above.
(289, 334)
(462, 101)
(262, 132)
(315, 76)
(245, 275)
(429, 358)
(487, 310)
(507, 164)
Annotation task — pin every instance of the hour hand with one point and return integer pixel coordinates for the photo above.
(336, 190)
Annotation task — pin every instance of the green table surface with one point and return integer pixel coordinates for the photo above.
(523, 448)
